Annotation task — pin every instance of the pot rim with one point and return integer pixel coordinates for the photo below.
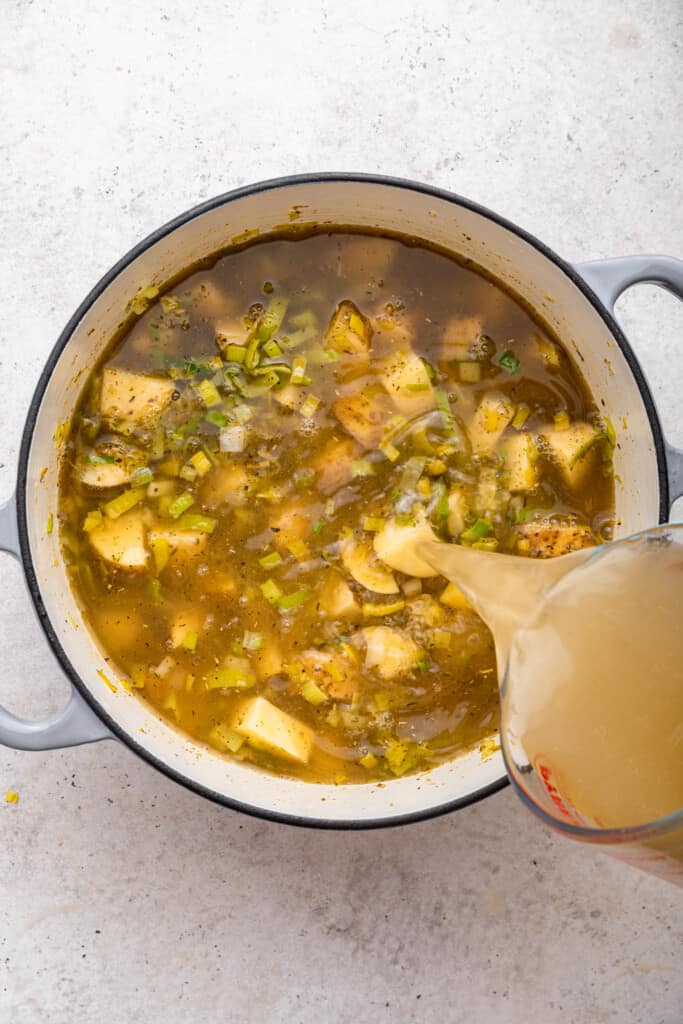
(223, 199)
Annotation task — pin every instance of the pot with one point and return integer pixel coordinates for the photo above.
(577, 301)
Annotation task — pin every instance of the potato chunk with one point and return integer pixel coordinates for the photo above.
(336, 600)
(130, 401)
(121, 542)
(268, 728)
(349, 332)
(461, 332)
(493, 414)
(521, 462)
(406, 380)
(336, 674)
(548, 539)
(390, 651)
(185, 545)
(574, 450)
(396, 546)
(126, 458)
(358, 561)
(184, 621)
(364, 415)
(333, 464)
(225, 485)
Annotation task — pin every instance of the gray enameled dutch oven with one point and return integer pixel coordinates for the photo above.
(577, 301)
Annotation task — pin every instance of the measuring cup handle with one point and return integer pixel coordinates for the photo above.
(74, 725)
(609, 279)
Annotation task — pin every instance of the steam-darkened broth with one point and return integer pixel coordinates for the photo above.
(250, 462)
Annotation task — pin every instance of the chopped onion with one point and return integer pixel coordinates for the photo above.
(233, 439)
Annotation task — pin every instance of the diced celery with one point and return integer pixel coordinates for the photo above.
(252, 641)
(311, 692)
(309, 407)
(201, 463)
(208, 392)
(373, 523)
(230, 678)
(271, 320)
(180, 504)
(289, 602)
(271, 591)
(206, 524)
(92, 520)
(124, 502)
(270, 560)
(218, 419)
(190, 640)
(161, 550)
(142, 476)
(522, 414)
(299, 549)
(481, 528)
(235, 353)
(298, 370)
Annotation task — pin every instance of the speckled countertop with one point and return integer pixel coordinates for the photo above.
(123, 897)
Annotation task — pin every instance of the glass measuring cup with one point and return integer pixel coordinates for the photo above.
(590, 658)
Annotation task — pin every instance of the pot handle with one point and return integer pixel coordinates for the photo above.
(74, 725)
(608, 279)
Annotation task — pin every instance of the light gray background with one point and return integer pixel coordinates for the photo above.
(123, 897)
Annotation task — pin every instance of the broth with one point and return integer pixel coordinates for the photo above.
(249, 461)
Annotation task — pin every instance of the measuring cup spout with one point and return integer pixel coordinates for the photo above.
(503, 589)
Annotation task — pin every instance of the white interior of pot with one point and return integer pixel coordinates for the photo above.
(507, 256)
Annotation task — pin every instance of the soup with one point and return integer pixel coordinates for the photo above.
(250, 466)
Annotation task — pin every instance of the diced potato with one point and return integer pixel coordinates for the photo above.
(364, 415)
(453, 597)
(121, 626)
(390, 651)
(225, 485)
(225, 738)
(457, 507)
(268, 728)
(358, 561)
(396, 546)
(333, 464)
(184, 621)
(349, 332)
(121, 542)
(293, 522)
(126, 459)
(268, 661)
(291, 396)
(490, 497)
(521, 462)
(492, 415)
(185, 545)
(230, 331)
(336, 674)
(336, 600)
(574, 450)
(548, 539)
(426, 612)
(406, 380)
(460, 333)
(133, 400)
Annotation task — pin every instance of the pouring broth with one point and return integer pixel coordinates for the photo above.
(247, 461)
